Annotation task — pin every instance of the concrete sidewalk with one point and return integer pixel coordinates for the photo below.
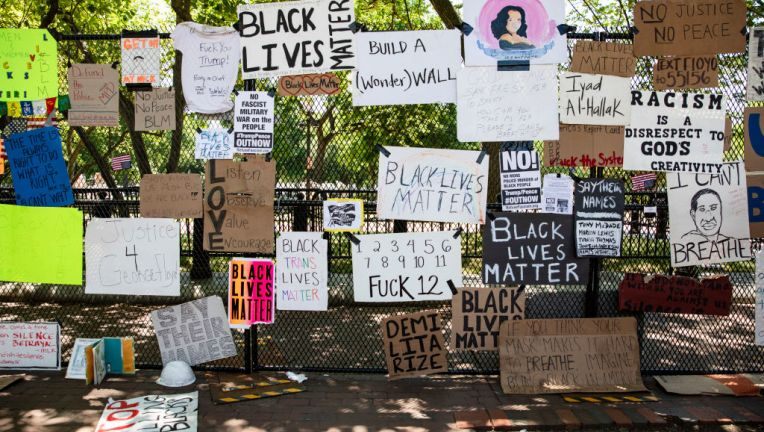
(45, 401)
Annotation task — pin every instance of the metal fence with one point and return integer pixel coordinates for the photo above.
(325, 148)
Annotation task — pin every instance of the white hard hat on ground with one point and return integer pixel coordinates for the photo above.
(176, 374)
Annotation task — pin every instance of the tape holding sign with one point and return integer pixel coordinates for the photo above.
(599, 206)
(253, 123)
(302, 271)
(30, 345)
(414, 344)
(606, 58)
(594, 99)
(586, 146)
(520, 180)
(675, 294)
(477, 314)
(251, 295)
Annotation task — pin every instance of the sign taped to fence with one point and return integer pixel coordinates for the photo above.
(406, 67)
(30, 65)
(707, 213)
(599, 206)
(343, 214)
(155, 109)
(132, 256)
(406, 267)
(685, 73)
(586, 146)
(557, 194)
(477, 315)
(606, 58)
(152, 413)
(253, 122)
(309, 85)
(759, 300)
(296, 37)
(675, 294)
(570, 355)
(30, 345)
(520, 179)
(686, 27)
(302, 271)
(94, 95)
(194, 332)
(755, 186)
(529, 111)
(595, 99)
(754, 139)
(414, 344)
(427, 184)
(214, 143)
(238, 213)
(755, 85)
(141, 55)
(675, 132)
(250, 292)
(171, 196)
(532, 248)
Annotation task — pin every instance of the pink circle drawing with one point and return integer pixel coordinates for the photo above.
(540, 28)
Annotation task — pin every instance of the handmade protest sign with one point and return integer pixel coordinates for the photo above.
(606, 58)
(132, 256)
(755, 84)
(432, 185)
(77, 366)
(599, 206)
(759, 300)
(194, 332)
(569, 355)
(253, 122)
(514, 31)
(214, 143)
(41, 245)
(343, 215)
(680, 132)
(296, 37)
(94, 95)
(414, 344)
(238, 212)
(309, 85)
(152, 413)
(707, 213)
(30, 345)
(155, 109)
(595, 99)
(557, 194)
(755, 186)
(30, 65)
(531, 248)
(250, 293)
(675, 294)
(529, 114)
(301, 271)
(141, 56)
(95, 358)
(118, 356)
(171, 196)
(520, 179)
(38, 169)
(406, 267)
(406, 67)
(754, 139)
(685, 27)
(586, 146)
(685, 73)
(477, 314)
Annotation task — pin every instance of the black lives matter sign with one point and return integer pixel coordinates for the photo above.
(599, 205)
(477, 314)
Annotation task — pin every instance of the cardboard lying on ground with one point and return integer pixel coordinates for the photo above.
(30, 345)
(729, 385)
(414, 344)
(171, 196)
(586, 146)
(675, 294)
(178, 412)
(7, 380)
(477, 314)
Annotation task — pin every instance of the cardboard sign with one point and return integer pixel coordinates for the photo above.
(599, 206)
(302, 271)
(406, 67)
(406, 267)
(707, 213)
(38, 169)
(194, 332)
(675, 294)
(213, 143)
(30, 345)
(685, 73)
(171, 196)
(755, 186)
(685, 27)
(94, 95)
(253, 122)
(414, 344)
(309, 85)
(41, 245)
(477, 315)
(569, 355)
(155, 109)
(296, 37)
(30, 65)
(606, 58)
(132, 256)
(586, 146)
(140, 60)
(679, 132)
(595, 99)
(754, 139)
(238, 213)
(95, 358)
(250, 293)
(531, 248)
(432, 185)
(482, 116)
(152, 413)
(520, 180)
(759, 300)
(755, 85)
(343, 215)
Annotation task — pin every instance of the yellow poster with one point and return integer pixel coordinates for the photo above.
(28, 58)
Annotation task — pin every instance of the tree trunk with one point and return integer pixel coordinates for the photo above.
(127, 109)
(447, 13)
(182, 10)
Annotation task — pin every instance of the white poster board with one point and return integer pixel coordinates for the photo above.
(132, 256)
(301, 271)
(213, 143)
(152, 413)
(30, 345)
(342, 215)
(140, 60)
(406, 67)
(759, 300)
(520, 179)
(253, 122)
(595, 99)
(755, 88)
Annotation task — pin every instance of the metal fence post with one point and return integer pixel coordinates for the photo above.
(591, 298)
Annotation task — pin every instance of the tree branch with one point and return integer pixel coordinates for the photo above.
(47, 20)
(447, 13)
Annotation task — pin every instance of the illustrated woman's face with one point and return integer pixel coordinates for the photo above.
(514, 22)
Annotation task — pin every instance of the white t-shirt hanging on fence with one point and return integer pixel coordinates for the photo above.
(210, 65)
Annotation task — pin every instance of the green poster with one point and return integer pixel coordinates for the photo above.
(40, 244)
(28, 58)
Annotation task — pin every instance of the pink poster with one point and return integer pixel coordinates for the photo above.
(250, 292)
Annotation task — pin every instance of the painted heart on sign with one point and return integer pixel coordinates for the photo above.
(330, 78)
(292, 90)
(311, 83)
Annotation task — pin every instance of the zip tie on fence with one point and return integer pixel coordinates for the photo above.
(268, 156)
(465, 28)
(521, 288)
(327, 235)
(198, 129)
(272, 92)
(114, 64)
(491, 216)
(383, 150)
(458, 232)
(69, 63)
(237, 26)
(634, 30)
(356, 27)
(451, 286)
(355, 240)
(481, 156)
(236, 92)
(230, 130)
(565, 29)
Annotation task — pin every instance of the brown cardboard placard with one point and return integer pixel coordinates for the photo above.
(587, 146)
(414, 344)
(605, 58)
(477, 314)
(94, 95)
(171, 196)
(155, 109)
(754, 138)
(569, 356)
(727, 133)
(238, 205)
(685, 72)
(309, 85)
(7, 380)
(755, 185)
(728, 385)
(687, 27)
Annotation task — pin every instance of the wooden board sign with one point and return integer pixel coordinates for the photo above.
(309, 85)
(675, 294)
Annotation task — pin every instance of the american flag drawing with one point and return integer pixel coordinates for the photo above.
(38, 122)
(121, 162)
(643, 181)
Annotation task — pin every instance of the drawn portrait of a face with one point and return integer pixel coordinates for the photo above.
(511, 29)
(706, 214)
